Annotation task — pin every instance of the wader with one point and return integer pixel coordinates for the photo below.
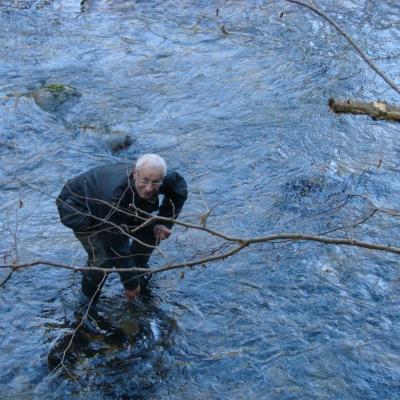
(110, 249)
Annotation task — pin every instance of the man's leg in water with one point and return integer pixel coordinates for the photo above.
(141, 253)
(104, 250)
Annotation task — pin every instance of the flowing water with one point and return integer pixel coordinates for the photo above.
(233, 94)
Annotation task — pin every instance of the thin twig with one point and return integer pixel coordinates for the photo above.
(359, 50)
(85, 316)
(4, 281)
(344, 227)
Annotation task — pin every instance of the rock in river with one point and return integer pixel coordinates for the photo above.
(51, 97)
(119, 142)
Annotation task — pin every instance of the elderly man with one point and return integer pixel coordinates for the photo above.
(103, 207)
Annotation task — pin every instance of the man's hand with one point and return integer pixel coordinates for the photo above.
(132, 294)
(161, 232)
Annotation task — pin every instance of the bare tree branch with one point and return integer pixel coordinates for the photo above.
(359, 50)
(74, 332)
(241, 244)
(219, 253)
(4, 281)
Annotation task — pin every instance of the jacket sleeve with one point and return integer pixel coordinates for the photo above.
(175, 195)
(74, 211)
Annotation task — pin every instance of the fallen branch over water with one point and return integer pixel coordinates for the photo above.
(376, 109)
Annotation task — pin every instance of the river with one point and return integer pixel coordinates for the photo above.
(234, 95)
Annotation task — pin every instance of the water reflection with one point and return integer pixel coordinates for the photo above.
(244, 116)
(111, 340)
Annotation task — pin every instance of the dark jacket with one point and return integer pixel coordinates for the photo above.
(106, 196)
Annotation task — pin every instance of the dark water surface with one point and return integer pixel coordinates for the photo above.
(242, 112)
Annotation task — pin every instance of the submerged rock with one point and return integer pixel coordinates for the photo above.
(306, 186)
(99, 340)
(51, 97)
(119, 142)
(305, 195)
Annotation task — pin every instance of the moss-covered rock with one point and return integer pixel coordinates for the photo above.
(56, 87)
(51, 97)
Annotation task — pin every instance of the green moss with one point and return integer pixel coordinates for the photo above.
(55, 87)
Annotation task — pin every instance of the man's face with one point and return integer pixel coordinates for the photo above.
(147, 181)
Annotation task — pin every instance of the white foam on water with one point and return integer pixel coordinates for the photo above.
(155, 330)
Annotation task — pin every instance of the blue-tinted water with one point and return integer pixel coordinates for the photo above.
(242, 112)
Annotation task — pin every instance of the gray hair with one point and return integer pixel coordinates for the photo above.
(153, 161)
